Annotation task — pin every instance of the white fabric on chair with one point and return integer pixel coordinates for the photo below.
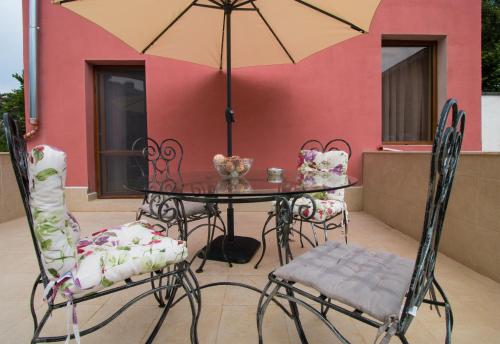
(190, 209)
(88, 264)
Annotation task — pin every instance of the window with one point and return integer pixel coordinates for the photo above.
(121, 119)
(408, 92)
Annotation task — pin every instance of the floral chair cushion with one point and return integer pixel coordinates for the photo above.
(327, 165)
(325, 209)
(77, 265)
(115, 254)
(55, 229)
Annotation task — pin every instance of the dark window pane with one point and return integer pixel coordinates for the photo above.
(407, 93)
(121, 120)
(117, 171)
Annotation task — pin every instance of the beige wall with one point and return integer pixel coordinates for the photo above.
(395, 189)
(11, 205)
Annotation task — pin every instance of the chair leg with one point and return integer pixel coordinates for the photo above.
(448, 312)
(40, 325)
(300, 234)
(158, 295)
(432, 293)
(346, 226)
(138, 215)
(224, 233)
(210, 238)
(325, 231)
(163, 315)
(263, 238)
(403, 339)
(195, 304)
(296, 317)
(313, 228)
(32, 302)
(262, 307)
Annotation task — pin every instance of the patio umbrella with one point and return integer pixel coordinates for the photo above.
(229, 33)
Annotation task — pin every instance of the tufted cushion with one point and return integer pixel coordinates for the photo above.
(55, 229)
(373, 282)
(190, 209)
(115, 254)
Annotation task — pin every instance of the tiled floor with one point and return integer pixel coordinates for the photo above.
(228, 314)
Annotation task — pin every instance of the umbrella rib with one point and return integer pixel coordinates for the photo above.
(221, 5)
(353, 26)
(169, 26)
(222, 41)
(243, 3)
(208, 6)
(274, 33)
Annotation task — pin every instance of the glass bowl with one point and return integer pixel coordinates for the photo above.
(233, 167)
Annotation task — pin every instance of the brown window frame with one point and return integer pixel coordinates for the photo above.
(98, 182)
(434, 114)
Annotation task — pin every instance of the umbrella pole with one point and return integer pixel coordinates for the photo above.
(236, 249)
(229, 116)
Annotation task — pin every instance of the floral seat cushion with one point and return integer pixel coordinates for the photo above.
(115, 254)
(325, 209)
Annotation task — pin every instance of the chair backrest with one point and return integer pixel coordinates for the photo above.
(445, 155)
(19, 158)
(163, 160)
(332, 145)
(335, 163)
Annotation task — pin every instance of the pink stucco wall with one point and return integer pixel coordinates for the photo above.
(334, 93)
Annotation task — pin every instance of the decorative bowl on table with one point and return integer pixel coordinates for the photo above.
(232, 167)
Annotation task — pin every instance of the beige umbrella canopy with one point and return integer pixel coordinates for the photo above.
(263, 31)
(230, 33)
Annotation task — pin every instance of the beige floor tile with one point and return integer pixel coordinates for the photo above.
(238, 325)
(177, 325)
(317, 332)
(228, 313)
(242, 296)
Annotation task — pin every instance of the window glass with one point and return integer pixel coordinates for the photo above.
(407, 92)
(121, 107)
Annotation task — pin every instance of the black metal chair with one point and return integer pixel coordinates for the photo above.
(376, 288)
(337, 219)
(163, 171)
(176, 276)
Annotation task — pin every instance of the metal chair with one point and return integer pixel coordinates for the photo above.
(376, 288)
(165, 279)
(163, 171)
(338, 217)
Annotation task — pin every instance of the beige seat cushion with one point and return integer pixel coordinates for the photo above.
(373, 282)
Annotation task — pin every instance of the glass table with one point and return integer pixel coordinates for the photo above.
(209, 187)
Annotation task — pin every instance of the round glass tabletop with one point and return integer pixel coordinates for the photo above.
(255, 183)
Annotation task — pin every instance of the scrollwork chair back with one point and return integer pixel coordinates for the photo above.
(445, 154)
(164, 161)
(332, 145)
